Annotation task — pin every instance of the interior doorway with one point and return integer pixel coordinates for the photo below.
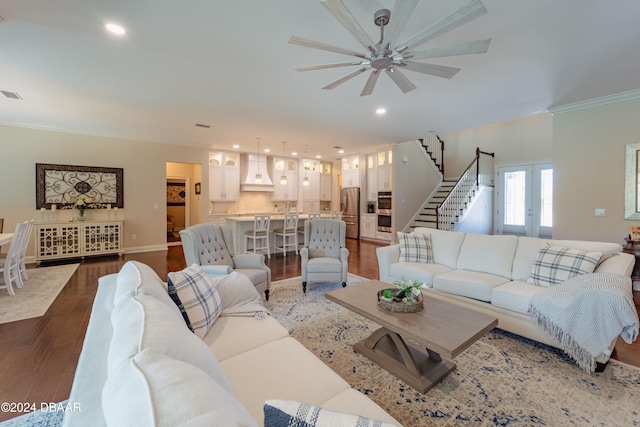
(177, 207)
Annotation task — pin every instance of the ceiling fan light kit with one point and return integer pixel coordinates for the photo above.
(390, 56)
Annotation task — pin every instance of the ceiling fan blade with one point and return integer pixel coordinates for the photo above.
(400, 15)
(463, 15)
(323, 46)
(342, 14)
(400, 79)
(345, 78)
(321, 67)
(371, 83)
(432, 69)
(478, 46)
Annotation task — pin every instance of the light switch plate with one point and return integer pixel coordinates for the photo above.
(601, 212)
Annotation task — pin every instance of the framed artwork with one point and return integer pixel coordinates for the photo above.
(198, 188)
(62, 185)
(634, 233)
(176, 194)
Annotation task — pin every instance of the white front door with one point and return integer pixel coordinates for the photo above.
(525, 200)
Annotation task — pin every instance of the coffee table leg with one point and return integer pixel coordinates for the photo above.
(420, 370)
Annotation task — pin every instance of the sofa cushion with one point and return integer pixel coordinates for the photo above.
(137, 278)
(284, 369)
(446, 245)
(492, 254)
(526, 254)
(279, 413)
(557, 264)
(515, 295)
(417, 271)
(470, 284)
(196, 296)
(230, 336)
(152, 389)
(143, 322)
(415, 247)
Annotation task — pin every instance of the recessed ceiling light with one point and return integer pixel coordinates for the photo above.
(115, 29)
(236, 146)
(340, 151)
(318, 156)
(294, 153)
(267, 150)
(381, 111)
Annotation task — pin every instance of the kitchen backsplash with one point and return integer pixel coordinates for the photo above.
(257, 201)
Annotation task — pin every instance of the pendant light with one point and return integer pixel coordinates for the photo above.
(283, 178)
(258, 174)
(305, 180)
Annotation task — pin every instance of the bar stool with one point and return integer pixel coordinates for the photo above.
(289, 234)
(259, 235)
(336, 215)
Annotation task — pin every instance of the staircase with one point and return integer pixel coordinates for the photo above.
(451, 199)
(428, 217)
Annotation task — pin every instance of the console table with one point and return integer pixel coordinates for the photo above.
(56, 240)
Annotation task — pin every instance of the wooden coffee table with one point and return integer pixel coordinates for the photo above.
(415, 347)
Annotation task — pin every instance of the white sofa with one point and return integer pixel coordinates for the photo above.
(141, 365)
(488, 273)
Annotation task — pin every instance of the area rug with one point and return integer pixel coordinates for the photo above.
(51, 415)
(502, 380)
(34, 299)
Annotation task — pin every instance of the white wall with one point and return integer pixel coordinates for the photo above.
(525, 140)
(588, 163)
(144, 167)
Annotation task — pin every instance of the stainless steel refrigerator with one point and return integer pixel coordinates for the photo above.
(350, 207)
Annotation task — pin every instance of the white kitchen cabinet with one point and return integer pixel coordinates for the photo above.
(311, 192)
(368, 226)
(385, 169)
(325, 182)
(289, 168)
(78, 239)
(351, 171)
(372, 177)
(224, 177)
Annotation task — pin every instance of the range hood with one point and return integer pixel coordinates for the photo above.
(252, 165)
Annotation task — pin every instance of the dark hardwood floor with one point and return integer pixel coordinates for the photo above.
(38, 356)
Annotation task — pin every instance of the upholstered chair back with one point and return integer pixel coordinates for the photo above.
(324, 237)
(205, 244)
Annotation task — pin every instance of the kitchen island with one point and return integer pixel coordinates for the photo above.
(241, 223)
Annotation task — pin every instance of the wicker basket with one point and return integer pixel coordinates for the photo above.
(400, 307)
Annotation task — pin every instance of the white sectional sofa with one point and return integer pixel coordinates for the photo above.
(489, 273)
(142, 366)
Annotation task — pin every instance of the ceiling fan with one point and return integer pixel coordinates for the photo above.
(390, 56)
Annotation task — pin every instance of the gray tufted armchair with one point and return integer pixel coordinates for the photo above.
(211, 247)
(324, 255)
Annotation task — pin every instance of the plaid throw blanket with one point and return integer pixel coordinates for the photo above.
(239, 297)
(585, 313)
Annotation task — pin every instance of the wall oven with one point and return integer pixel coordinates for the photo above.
(384, 211)
(384, 200)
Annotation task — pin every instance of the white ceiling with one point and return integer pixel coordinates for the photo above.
(228, 64)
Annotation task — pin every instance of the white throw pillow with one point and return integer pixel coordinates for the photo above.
(152, 389)
(415, 247)
(196, 296)
(290, 413)
(557, 264)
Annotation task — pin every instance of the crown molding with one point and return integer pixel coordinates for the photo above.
(595, 102)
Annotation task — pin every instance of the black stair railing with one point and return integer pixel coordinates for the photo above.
(454, 205)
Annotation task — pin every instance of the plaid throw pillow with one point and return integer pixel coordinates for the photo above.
(284, 413)
(196, 296)
(415, 247)
(557, 264)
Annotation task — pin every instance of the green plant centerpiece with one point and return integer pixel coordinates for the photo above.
(409, 290)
